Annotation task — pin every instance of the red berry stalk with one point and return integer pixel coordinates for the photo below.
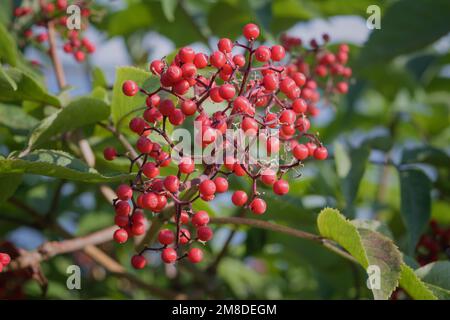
(251, 88)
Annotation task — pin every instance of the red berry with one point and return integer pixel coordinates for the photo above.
(221, 184)
(195, 255)
(169, 255)
(299, 106)
(109, 153)
(171, 183)
(166, 107)
(258, 206)
(150, 201)
(277, 53)
(217, 59)
(5, 259)
(204, 233)
(150, 170)
(157, 67)
(137, 125)
(174, 74)
(207, 188)
(262, 54)
(186, 165)
(124, 192)
(201, 218)
(225, 45)
(186, 55)
(166, 237)
(144, 145)
(189, 70)
(241, 105)
(342, 87)
(301, 152)
(138, 229)
(200, 60)
(270, 82)
(287, 117)
(227, 91)
(281, 187)
(239, 198)
(188, 107)
(299, 79)
(138, 262)
(122, 208)
(130, 88)
(121, 220)
(177, 117)
(121, 235)
(181, 87)
(184, 236)
(239, 60)
(251, 31)
(302, 124)
(321, 153)
(268, 177)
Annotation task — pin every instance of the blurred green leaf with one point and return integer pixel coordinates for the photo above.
(5, 75)
(78, 113)
(168, 7)
(8, 185)
(27, 89)
(399, 36)
(436, 273)
(99, 78)
(426, 154)
(8, 46)
(58, 164)
(14, 118)
(415, 203)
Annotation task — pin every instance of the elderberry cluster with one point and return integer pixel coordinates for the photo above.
(5, 259)
(251, 87)
(54, 12)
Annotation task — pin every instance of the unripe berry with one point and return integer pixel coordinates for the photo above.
(121, 235)
(258, 206)
(200, 218)
(321, 153)
(166, 237)
(277, 53)
(204, 233)
(171, 183)
(195, 255)
(221, 184)
(239, 198)
(251, 31)
(262, 54)
(109, 153)
(300, 152)
(169, 255)
(281, 187)
(138, 262)
(130, 88)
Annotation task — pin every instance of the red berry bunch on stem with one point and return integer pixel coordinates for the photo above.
(33, 25)
(326, 71)
(242, 86)
(434, 245)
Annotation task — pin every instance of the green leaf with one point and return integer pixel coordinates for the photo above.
(426, 154)
(98, 78)
(27, 88)
(414, 286)
(5, 75)
(58, 164)
(436, 273)
(286, 13)
(8, 51)
(8, 185)
(399, 36)
(366, 246)
(16, 119)
(78, 113)
(168, 7)
(122, 104)
(415, 203)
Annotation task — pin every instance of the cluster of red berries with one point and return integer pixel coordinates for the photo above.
(325, 69)
(54, 12)
(5, 259)
(434, 245)
(252, 88)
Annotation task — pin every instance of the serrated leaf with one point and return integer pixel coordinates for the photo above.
(436, 273)
(415, 209)
(78, 113)
(27, 89)
(122, 104)
(414, 286)
(58, 164)
(367, 247)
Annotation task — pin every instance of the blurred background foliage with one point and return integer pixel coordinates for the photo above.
(389, 139)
